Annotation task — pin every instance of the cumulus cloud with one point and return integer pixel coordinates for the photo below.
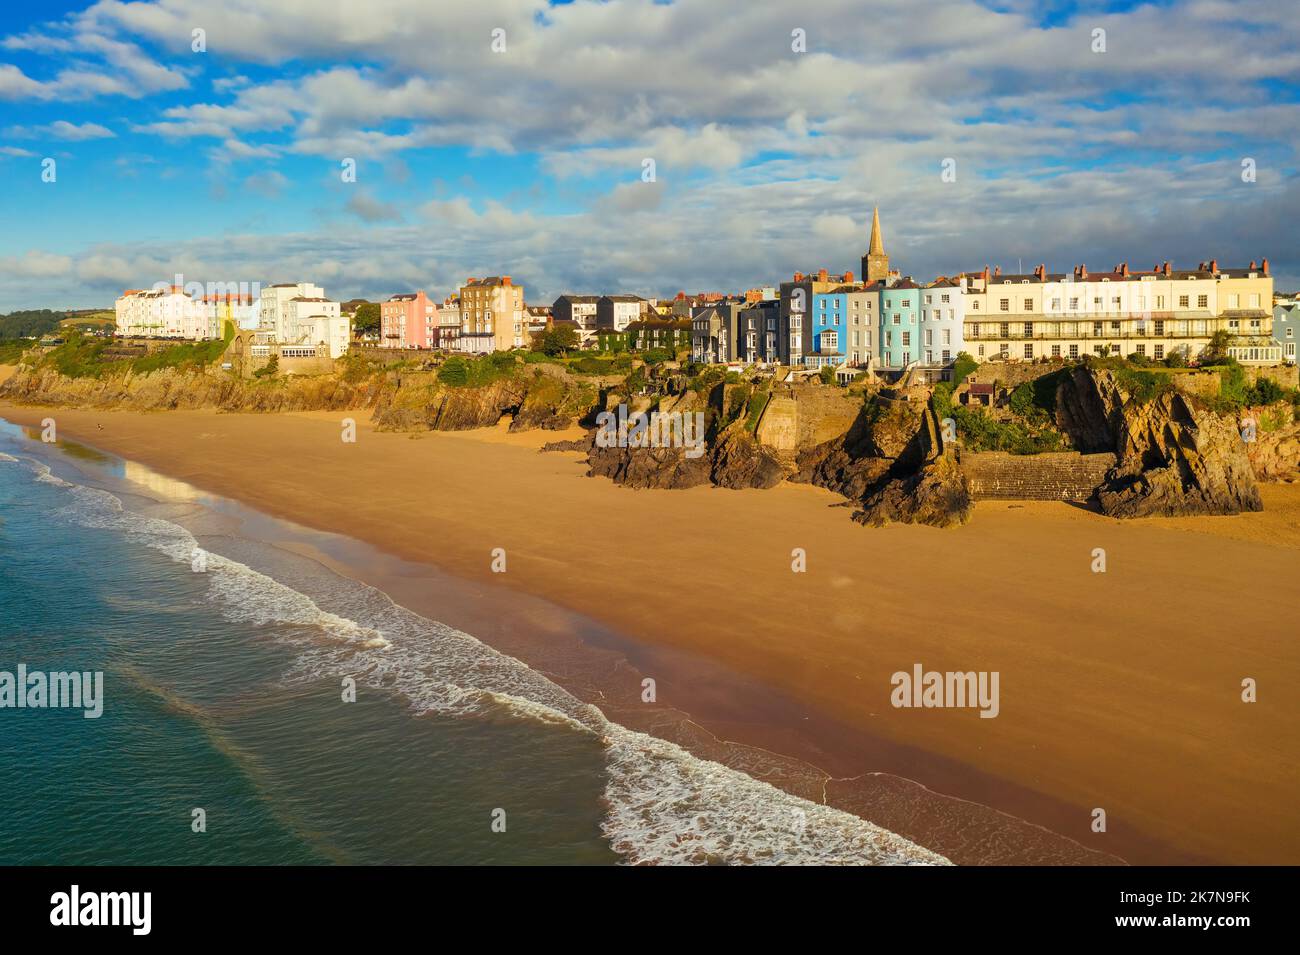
(766, 160)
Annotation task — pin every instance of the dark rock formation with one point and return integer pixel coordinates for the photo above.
(925, 485)
(1174, 458)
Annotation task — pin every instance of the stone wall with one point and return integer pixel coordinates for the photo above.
(1058, 476)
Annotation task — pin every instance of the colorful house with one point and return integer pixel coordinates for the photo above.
(899, 330)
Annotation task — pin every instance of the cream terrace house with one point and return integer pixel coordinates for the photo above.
(1155, 314)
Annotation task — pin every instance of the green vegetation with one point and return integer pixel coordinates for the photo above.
(461, 372)
(979, 431)
(827, 375)
(82, 357)
(754, 409)
(366, 318)
(270, 369)
(12, 349)
(30, 324)
(556, 341)
(962, 367)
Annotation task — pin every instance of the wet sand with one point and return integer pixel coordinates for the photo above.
(1119, 690)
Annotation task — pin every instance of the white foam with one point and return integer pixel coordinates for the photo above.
(664, 805)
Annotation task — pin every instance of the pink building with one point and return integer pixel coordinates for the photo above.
(408, 320)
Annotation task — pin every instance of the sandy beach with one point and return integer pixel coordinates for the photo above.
(1119, 690)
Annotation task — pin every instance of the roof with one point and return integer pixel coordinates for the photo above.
(578, 299)
(977, 388)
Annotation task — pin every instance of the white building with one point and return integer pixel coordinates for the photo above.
(300, 314)
(167, 312)
(943, 310)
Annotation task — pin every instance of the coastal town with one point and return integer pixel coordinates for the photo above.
(880, 320)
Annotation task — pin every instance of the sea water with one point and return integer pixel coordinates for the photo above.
(228, 733)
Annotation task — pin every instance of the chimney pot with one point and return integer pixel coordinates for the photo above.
(1083, 271)
(1263, 266)
(1214, 265)
(997, 270)
(821, 275)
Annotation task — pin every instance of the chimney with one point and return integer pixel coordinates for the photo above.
(986, 275)
(1168, 268)
(997, 271)
(1252, 265)
(1214, 265)
(1263, 266)
(1042, 270)
(798, 276)
(821, 275)
(1123, 269)
(1083, 272)
(848, 276)
(505, 280)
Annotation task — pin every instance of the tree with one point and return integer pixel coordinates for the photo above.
(366, 318)
(556, 341)
(1217, 349)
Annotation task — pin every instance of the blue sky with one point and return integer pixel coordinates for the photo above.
(224, 165)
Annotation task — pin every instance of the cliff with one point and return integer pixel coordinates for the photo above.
(1174, 457)
(536, 396)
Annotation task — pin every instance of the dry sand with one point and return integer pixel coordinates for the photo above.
(1119, 690)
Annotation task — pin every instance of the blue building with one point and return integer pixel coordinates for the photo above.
(899, 335)
(1286, 329)
(829, 333)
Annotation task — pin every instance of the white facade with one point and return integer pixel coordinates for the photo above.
(161, 313)
(943, 310)
(301, 315)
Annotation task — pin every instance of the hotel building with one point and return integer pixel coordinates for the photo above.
(167, 312)
(1120, 312)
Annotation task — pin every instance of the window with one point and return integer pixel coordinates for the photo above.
(981, 350)
(907, 339)
(947, 355)
(1056, 304)
(1056, 351)
(1159, 352)
(1074, 351)
(1096, 303)
(1202, 301)
(944, 299)
(889, 339)
(1005, 304)
(1160, 301)
(1074, 303)
(929, 357)
(974, 305)
(1232, 300)
(947, 335)
(1254, 300)
(1029, 305)
(1029, 329)
(1182, 301)
(1160, 326)
(1141, 349)
(895, 318)
(1006, 329)
(907, 303)
(1029, 351)
(1096, 329)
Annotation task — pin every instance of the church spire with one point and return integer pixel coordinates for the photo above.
(875, 264)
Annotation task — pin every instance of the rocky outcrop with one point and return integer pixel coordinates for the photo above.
(169, 389)
(893, 465)
(1275, 454)
(926, 485)
(1174, 458)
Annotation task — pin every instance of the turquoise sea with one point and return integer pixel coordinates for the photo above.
(223, 691)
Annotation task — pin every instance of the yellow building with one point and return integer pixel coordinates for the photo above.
(492, 315)
(1120, 312)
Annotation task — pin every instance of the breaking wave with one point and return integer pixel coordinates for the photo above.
(664, 805)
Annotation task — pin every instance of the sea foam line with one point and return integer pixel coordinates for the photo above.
(664, 805)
